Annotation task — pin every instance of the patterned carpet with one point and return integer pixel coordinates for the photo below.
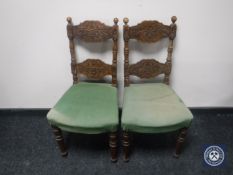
(27, 147)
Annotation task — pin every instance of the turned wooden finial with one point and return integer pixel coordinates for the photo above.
(126, 20)
(69, 20)
(173, 19)
(115, 20)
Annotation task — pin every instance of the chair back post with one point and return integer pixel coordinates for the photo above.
(72, 49)
(126, 52)
(93, 31)
(168, 63)
(114, 52)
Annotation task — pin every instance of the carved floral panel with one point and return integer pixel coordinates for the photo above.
(149, 31)
(94, 69)
(147, 68)
(93, 31)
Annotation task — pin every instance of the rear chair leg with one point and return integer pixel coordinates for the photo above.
(113, 146)
(126, 145)
(60, 141)
(179, 142)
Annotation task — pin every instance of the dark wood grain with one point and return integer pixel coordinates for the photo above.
(60, 141)
(93, 31)
(126, 52)
(113, 146)
(180, 141)
(94, 69)
(72, 50)
(149, 32)
(148, 68)
(126, 144)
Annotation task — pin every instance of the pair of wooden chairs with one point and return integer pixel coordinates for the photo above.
(91, 108)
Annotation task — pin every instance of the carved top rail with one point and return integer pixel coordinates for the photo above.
(94, 69)
(91, 31)
(151, 31)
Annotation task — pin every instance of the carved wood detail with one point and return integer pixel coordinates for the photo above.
(93, 31)
(168, 62)
(72, 50)
(114, 52)
(148, 68)
(126, 52)
(148, 31)
(94, 69)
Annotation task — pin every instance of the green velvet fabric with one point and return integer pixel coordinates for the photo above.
(153, 108)
(88, 108)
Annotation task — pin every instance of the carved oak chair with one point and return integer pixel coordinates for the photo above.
(151, 107)
(89, 108)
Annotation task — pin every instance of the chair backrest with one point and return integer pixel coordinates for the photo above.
(93, 31)
(148, 32)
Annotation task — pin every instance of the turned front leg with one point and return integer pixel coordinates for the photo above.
(180, 141)
(60, 140)
(126, 145)
(113, 146)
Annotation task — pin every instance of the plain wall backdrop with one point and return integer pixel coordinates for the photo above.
(35, 58)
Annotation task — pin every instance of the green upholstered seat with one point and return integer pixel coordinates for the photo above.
(88, 108)
(153, 108)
